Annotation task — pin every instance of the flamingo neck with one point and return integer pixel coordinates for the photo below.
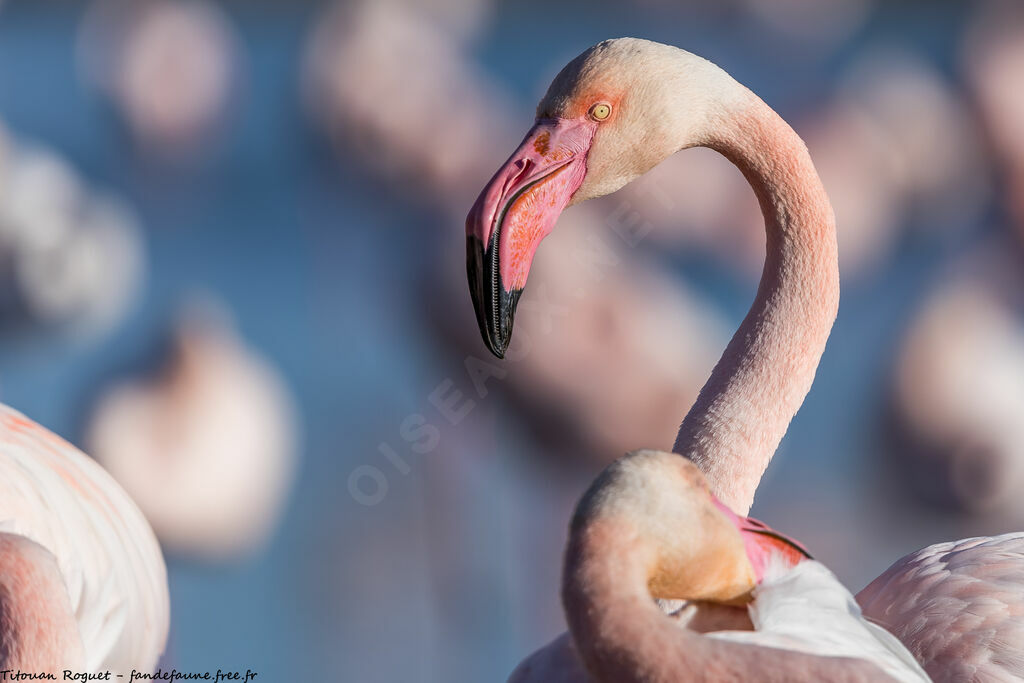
(744, 409)
(622, 636)
(38, 630)
(618, 629)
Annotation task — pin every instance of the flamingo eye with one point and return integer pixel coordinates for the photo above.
(600, 111)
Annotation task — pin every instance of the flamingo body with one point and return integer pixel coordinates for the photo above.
(38, 631)
(755, 608)
(800, 609)
(806, 609)
(958, 607)
(72, 516)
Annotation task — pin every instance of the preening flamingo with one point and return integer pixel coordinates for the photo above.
(82, 582)
(650, 527)
(612, 114)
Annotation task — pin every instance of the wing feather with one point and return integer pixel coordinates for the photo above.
(55, 495)
(805, 608)
(957, 606)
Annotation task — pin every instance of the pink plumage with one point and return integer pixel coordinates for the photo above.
(90, 551)
(957, 606)
(643, 531)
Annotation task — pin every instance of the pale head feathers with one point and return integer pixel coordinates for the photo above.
(662, 98)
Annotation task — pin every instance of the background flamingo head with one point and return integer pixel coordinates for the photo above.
(610, 115)
(656, 509)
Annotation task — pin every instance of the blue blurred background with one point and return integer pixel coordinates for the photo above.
(307, 166)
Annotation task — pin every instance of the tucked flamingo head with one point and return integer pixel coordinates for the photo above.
(657, 508)
(611, 115)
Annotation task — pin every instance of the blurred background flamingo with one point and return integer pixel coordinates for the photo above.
(170, 69)
(73, 255)
(207, 448)
(328, 243)
(957, 393)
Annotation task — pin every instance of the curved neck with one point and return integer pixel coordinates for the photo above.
(622, 636)
(744, 409)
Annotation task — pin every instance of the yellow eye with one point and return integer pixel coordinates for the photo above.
(600, 111)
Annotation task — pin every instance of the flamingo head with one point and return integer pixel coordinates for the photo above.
(656, 508)
(610, 115)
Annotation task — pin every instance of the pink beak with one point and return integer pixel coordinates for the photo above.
(761, 541)
(516, 210)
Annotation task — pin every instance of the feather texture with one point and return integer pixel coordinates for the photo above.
(957, 606)
(56, 496)
(802, 609)
(807, 609)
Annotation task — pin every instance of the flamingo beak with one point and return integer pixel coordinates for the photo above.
(761, 542)
(515, 211)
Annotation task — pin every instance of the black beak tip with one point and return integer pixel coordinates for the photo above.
(494, 306)
(507, 302)
(498, 351)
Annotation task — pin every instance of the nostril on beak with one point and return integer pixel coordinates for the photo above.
(522, 169)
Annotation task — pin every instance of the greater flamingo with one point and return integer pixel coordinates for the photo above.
(650, 527)
(612, 114)
(82, 582)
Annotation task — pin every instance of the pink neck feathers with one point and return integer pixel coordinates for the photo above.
(756, 388)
